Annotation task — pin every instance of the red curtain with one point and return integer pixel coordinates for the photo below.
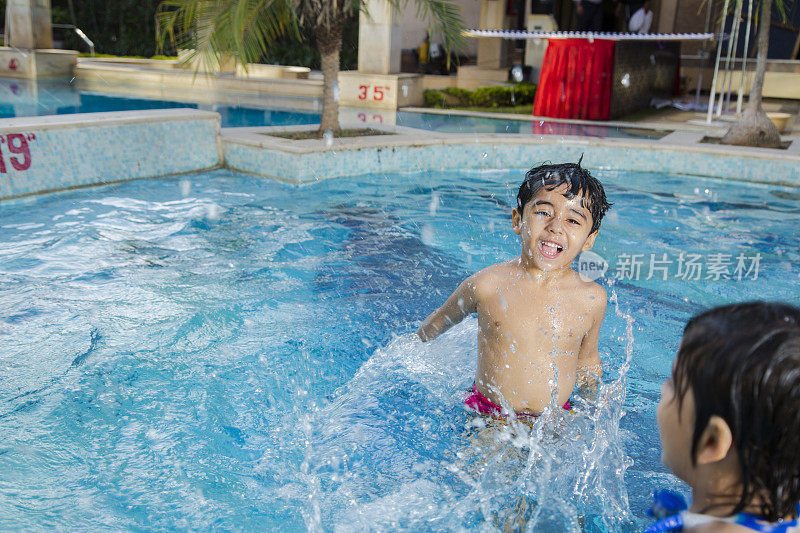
(576, 79)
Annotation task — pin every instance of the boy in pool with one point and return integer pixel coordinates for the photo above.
(539, 320)
(729, 419)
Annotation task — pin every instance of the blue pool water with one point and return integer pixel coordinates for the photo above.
(216, 351)
(58, 97)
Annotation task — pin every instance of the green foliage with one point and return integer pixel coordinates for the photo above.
(447, 97)
(283, 31)
(121, 27)
(489, 97)
(290, 50)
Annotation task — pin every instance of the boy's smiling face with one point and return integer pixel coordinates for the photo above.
(554, 228)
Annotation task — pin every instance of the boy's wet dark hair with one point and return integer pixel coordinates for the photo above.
(580, 182)
(742, 363)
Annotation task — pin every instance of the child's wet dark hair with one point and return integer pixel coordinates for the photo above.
(580, 183)
(742, 363)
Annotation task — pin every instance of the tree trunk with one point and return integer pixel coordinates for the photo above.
(329, 42)
(754, 128)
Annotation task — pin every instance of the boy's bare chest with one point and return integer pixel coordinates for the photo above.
(525, 317)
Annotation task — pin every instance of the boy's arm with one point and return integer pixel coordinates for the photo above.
(460, 304)
(590, 368)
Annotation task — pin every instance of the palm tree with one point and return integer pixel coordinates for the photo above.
(754, 128)
(244, 29)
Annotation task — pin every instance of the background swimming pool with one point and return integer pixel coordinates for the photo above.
(60, 97)
(215, 351)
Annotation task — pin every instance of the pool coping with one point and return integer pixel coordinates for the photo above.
(79, 120)
(643, 125)
(60, 152)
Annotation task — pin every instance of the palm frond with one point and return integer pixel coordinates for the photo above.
(214, 29)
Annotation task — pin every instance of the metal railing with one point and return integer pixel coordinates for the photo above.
(79, 33)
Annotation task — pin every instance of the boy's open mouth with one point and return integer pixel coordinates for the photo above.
(549, 249)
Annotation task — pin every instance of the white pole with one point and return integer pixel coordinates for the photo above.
(702, 62)
(716, 67)
(740, 96)
(733, 43)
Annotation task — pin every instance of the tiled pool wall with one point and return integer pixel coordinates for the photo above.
(42, 154)
(255, 154)
(39, 154)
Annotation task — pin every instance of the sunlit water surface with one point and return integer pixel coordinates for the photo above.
(215, 351)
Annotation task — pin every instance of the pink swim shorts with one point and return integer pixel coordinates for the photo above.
(483, 405)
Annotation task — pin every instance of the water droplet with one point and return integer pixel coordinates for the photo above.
(426, 234)
(405, 90)
(626, 80)
(213, 212)
(485, 155)
(328, 138)
(434, 204)
(186, 187)
(335, 91)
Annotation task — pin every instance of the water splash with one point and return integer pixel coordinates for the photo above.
(406, 454)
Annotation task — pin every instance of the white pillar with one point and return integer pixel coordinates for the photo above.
(28, 24)
(492, 52)
(379, 39)
(29, 41)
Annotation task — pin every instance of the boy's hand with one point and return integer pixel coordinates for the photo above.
(588, 381)
(425, 336)
(460, 304)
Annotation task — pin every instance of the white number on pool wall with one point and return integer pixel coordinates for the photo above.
(17, 144)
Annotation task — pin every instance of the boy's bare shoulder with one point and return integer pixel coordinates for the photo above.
(591, 292)
(494, 276)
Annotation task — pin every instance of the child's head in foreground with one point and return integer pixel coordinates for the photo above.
(729, 417)
(558, 213)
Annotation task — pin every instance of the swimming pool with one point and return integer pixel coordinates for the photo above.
(57, 97)
(218, 351)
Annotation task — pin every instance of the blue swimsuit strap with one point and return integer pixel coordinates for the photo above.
(755, 523)
(675, 523)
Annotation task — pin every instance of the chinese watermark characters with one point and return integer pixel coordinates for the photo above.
(684, 266)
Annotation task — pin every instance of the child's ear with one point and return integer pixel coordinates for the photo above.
(587, 245)
(715, 442)
(516, 221)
